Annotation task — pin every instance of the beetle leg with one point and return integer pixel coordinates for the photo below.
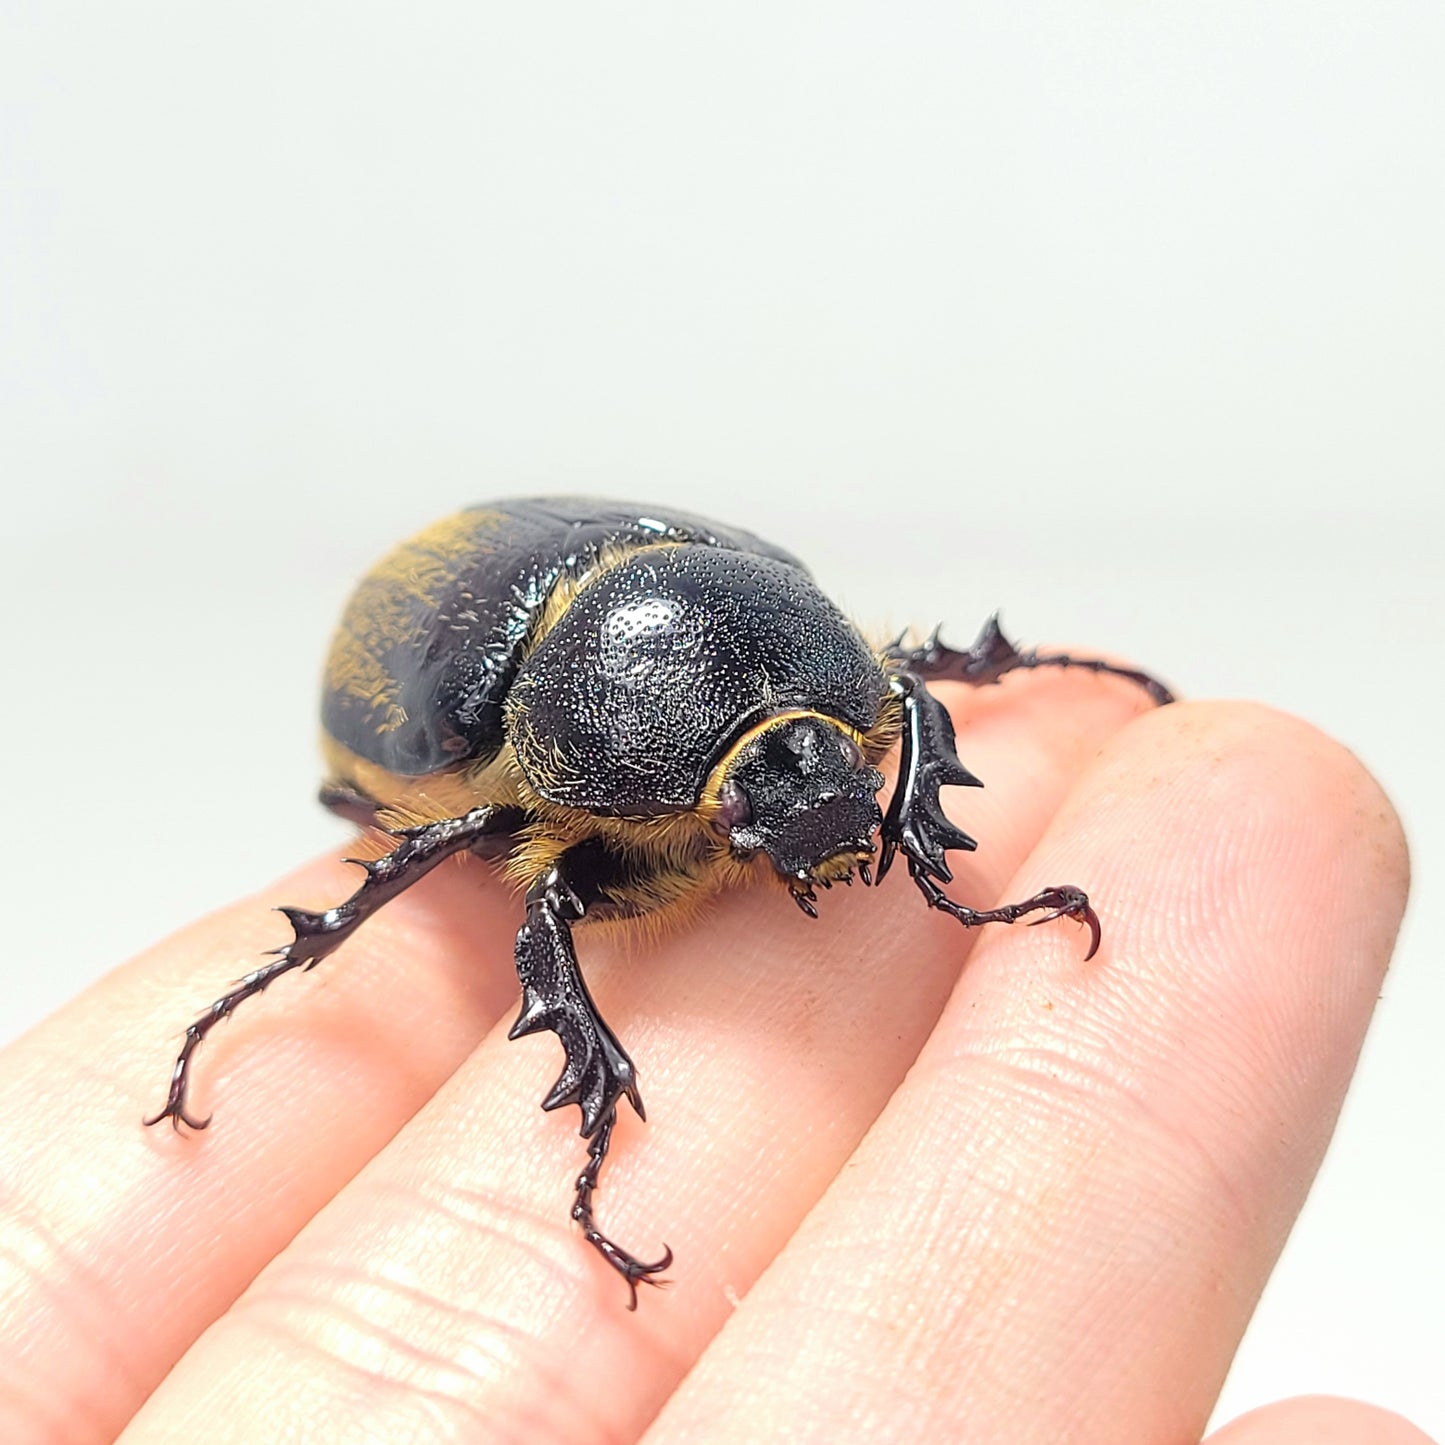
(632, 1269)
(992, 655)
(417, 852)
(350, 803)
(915, 821)
(597, 1073)
(915, 824)
(1063, 902)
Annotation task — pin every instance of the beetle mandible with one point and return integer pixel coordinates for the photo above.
(630, 708)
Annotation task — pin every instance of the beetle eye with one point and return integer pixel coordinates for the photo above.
(852, 755)
(734, 807)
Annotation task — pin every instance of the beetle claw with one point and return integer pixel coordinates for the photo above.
(1066, 902)
(175, 1111)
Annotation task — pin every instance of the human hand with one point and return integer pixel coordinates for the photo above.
(1075, 1179)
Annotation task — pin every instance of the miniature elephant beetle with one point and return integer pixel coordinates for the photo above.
(629, 708)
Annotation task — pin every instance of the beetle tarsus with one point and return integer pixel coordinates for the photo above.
(175, 1108)
(633, 1270)
(223, 1008)
(993, 655)
(806, 899)
(316, 935)
(1065, 901)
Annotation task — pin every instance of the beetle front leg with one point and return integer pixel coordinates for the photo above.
(915, 821)
(915, 824)
(316, 935)
(1063, 902)
(992, 655)
(597, 1073)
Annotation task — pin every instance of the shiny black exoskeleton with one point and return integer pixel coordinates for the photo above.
(629, 708)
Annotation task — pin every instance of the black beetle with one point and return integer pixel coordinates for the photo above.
(631, 708)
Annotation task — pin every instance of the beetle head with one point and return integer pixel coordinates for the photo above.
(800, 791)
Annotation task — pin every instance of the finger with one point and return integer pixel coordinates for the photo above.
(1316, 1420)
(106, 1226)
(1060, 1225)
(445, 1293)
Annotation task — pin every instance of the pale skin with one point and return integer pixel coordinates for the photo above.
(1074, 1181)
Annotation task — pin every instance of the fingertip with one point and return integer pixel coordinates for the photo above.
(1241, 783)
(1320, 1420)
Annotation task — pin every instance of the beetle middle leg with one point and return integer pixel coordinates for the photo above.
(417, 852)
(597, 1073)
(992, 655)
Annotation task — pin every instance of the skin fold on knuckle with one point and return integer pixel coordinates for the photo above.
(391, 1336)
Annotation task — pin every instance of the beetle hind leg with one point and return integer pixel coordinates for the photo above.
(316, 935)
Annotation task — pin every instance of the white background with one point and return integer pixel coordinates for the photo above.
(1127, 317)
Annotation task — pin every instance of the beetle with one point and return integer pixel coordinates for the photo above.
(629, 708)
